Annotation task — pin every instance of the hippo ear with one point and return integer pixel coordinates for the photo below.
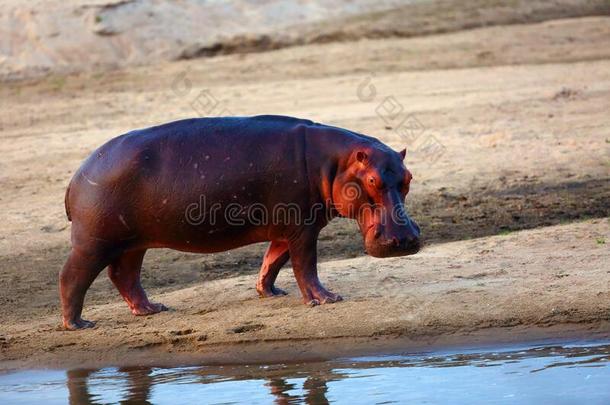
(361, 156)
(403, 153)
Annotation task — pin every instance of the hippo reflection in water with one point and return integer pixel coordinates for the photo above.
(134, 385)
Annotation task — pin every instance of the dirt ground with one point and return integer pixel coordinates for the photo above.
(504, 135)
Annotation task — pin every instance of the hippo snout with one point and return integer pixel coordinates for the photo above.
(409, 244)
(380, 244)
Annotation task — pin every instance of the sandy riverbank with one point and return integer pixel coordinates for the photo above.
(542, 283)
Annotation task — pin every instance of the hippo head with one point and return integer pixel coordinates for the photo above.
(371, 187)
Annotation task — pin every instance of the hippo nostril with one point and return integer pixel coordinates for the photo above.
(407, 239)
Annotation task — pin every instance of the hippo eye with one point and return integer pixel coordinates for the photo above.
(371, 181)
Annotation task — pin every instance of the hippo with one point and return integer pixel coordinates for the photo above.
(209, 185)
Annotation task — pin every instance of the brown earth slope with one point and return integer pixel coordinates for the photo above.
(69, 36)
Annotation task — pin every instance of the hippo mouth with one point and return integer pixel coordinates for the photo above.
(382, 247)
(390, 249)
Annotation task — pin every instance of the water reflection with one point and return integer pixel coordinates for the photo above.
(316, 391)
(524, 374)
(139, 382)
(77, 386)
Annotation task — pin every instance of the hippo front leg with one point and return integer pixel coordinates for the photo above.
(276, 256)
(304, 257)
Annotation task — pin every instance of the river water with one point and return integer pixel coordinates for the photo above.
(575, 372)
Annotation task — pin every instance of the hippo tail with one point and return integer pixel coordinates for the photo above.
(66, 202)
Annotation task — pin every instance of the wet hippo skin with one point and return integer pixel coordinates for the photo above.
(213, 184)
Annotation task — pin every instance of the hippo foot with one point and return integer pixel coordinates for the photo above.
(271, 292)
(148, 308)
(322, 297)
(78, 323)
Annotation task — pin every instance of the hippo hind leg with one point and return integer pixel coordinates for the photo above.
(124, 273)
(276, 256)
(82, 267)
